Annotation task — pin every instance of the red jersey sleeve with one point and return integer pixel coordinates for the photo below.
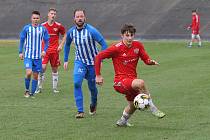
(43, 45)
(62, 29)
(108, 53)
(143, 54)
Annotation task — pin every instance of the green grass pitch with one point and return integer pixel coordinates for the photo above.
(180, 87)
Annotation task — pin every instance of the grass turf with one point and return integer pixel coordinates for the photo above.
(179, 87)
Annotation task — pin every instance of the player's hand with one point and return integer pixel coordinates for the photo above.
(153, 62)
(99, 80)
(65, 65)
(43, 53)
(59, 48)
(21, 56)
(188, 28)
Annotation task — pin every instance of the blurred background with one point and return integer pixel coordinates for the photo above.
(154, 19)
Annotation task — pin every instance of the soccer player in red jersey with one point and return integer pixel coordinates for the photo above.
(55, 29)
(125, 56)
(195, 26)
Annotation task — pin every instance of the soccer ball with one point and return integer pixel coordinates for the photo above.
(141, 101)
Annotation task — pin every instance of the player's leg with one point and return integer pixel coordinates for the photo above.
(199, 40)
(34, 83)
(138, 84)
(36, 68)
(28, 68)
(125, 87)
(41, 76)
(191, 41)
(55, 79)
(128, 111)
(79, 74)
(55, 62)
(90, 76)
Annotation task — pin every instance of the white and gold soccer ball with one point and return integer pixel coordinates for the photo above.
(141, 101)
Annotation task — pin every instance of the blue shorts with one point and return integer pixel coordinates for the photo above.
(84, 71)
(34, 64)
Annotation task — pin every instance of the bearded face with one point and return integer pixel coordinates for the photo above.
(79, 18)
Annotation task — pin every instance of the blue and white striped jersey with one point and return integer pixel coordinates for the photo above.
(85, 42)
(31, 40)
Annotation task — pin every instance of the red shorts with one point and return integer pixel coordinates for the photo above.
(124, 86)
(195, 32)
(53, 58)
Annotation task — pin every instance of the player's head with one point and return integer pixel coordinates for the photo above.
(35, 18)
(79, 17)
(194, 11)
(127, 33)
(52, 14)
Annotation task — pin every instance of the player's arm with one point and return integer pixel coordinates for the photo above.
(189, 27)
(145, 57)
(62, 43)
(108, 53)
(99, 38)
(46, 42)
(63, 33)
(67, 49)
(22, 40)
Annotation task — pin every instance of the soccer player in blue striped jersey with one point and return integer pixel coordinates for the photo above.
(85, 38)
(31, 38)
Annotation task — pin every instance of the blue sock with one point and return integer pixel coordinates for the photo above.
(27, 83)
(94, 92)
(34, 85)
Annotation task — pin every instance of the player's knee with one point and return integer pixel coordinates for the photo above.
(140, 83)
(54, 70)
(92, 87)
(28, 73)
(35, 75)
(77, 84)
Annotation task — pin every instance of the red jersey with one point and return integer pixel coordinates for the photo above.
(54, 31)
(124, 59)
(195, 25)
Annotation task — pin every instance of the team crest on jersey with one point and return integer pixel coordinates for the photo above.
(55, 29)
(125, 62)
(84, 37)
(124, 54)
(136, 51)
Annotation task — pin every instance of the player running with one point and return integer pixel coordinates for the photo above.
(125, 56)
(55, 29)
(85, 38)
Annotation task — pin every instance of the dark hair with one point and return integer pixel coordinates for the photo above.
(79, 10)
(52, 9)
(36, 13)
(194, 10)
(128, 28)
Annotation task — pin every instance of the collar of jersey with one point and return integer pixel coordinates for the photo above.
(84, 26)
